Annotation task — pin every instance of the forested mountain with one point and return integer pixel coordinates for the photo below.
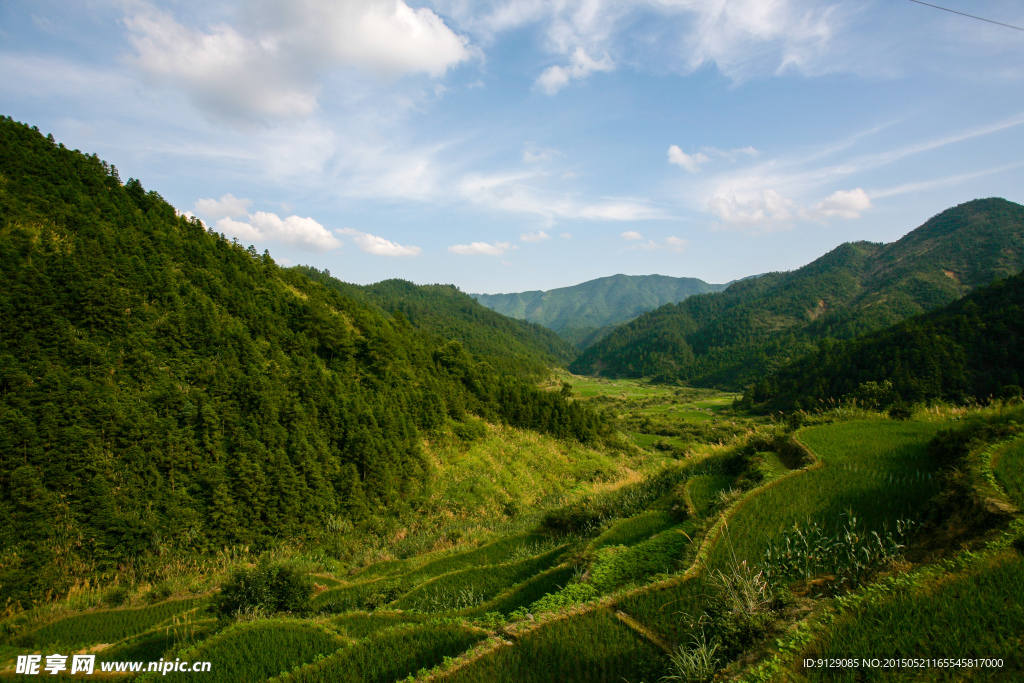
(508, 345)
(163, 388)
(732, 338)
(972, 348)
(586, 312)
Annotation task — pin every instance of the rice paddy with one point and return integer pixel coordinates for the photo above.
(603, 587)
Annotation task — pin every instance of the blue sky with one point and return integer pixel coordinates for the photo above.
(517, 145)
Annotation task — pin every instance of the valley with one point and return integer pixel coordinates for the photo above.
(207, 458)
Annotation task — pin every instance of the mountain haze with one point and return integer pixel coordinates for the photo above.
(585, 312)
(757, 325)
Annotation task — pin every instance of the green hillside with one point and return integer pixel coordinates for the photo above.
(164, 390)
(737, 336)
(510, 346)
(585, 312)
(969, 349)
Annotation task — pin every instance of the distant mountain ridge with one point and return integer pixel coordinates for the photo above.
(582, 312)
(757, 325)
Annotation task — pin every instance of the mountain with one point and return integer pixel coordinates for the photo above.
(166, 390)
(756, 326)
(511, 346)
(972, 348)
(586, 312)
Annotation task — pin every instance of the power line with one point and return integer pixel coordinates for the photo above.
(964, 14)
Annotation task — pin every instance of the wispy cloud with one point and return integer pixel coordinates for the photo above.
(581, 65)
(262, 226)
(481, 248)
(538, 236)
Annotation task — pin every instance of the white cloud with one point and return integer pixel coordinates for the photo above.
(227, 206)
(581, 65)
(538, 236)
(690, 162)
(372, 244)
(271, 62)
(496, 249)
(516, 193)
(304, 233)
(771, 211)
(839, 204)
(768, 210)
(675, 243)
(631, 235)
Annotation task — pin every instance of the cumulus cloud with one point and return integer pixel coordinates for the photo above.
(372, 244)
(769, 210)
(631, 235)
(690, 162)
(538, 236)
(495, 249)
(270, 63)
(262, 226)
(581, 65)
(229, 205)
(840, 204)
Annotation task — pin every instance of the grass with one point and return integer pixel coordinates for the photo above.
(525, 593)
(704, 490)
(667, 610)
(976, 613)
(1008, 467)
(104, 626)
(470, 587)
(258, 651)
(585, 648)
(389, 656)
(362, 624)
(879, 469)
(635, 529)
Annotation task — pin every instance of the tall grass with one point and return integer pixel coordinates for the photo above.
(1008, 467)
(389, 656)
(977, 613)
(635, 529)
(260, 650)
(668, 610)
(471, 587)
(878, 469)
(586, 648)
(363, 624)
(525, 593)
(104, 626)
(704, 490)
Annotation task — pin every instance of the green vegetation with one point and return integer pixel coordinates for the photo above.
(967, 350)
(389, 656)
(584, 313)
(592, 647)
(103, 626)
(265, 588)
(510, 346)
(166, 393)
(740, 336)
(258, 651)
(1008, 466)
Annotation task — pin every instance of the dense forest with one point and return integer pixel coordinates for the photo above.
(512, 347)
(163, 388)
(733, 338)
(969, 350)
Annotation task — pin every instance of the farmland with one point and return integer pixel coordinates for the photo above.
(633, 575)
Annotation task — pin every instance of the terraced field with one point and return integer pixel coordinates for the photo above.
(611, 603)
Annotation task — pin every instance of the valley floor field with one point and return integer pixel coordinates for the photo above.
(710, 541)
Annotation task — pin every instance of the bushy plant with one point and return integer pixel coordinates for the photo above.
(265, 588)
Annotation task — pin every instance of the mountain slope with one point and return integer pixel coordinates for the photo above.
(164, 390)
(971, 348)
(510, 346)
(758, 325)
(576, 312)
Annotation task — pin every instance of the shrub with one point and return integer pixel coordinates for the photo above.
(266, 587)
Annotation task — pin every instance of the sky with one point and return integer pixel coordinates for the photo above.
(515, 145)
